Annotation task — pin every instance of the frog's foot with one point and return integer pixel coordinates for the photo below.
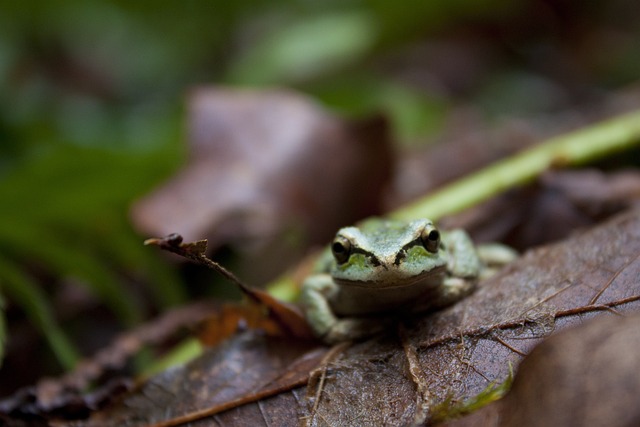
(354, 329)
(494, 256)
(453, 289)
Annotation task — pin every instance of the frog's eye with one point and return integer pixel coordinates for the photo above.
(430, 238)
(341, 249)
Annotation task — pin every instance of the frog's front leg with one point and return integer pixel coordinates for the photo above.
(314, 297)
(317, 290)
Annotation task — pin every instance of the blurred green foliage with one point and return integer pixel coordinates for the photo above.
(64, 212)
(90, 114)
(3, 329)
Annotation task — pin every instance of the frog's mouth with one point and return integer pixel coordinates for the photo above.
(392, 279)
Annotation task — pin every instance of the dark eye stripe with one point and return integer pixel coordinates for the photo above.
(402, 253)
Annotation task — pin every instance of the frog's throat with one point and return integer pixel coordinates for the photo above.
(397, 282)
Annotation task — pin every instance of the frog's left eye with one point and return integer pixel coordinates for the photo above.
(341, 249)
(430, 238)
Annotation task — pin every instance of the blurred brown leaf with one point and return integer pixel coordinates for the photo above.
(584, 376)
(450, 355)
(550, 209)
(587, 376)
(264, 167)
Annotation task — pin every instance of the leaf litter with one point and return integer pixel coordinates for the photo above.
(447, 357)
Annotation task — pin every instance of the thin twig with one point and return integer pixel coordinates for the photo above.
(321, 372)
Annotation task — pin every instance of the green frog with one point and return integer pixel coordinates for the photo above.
(380, 269)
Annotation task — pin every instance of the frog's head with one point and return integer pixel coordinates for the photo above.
(387, 253)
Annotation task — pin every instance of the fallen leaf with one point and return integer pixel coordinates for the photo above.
(587, 375)
(264, 167)
(468, 347)
(445, 358)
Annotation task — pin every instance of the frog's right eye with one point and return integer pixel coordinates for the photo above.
(341, 249)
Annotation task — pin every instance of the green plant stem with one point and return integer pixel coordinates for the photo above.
(574, 148)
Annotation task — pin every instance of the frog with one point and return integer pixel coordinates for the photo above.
(380, 269)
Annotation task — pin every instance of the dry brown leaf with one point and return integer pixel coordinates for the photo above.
(448, 356)
(264, 167)
(466, 348)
